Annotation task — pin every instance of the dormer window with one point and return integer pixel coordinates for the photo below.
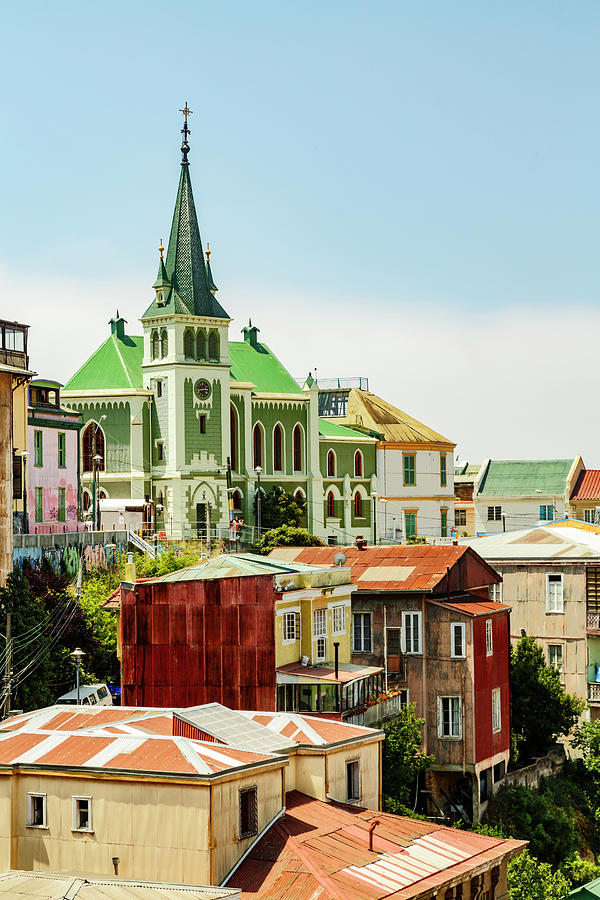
(160, 298)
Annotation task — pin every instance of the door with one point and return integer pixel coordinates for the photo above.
(394, 661)
(201, 509)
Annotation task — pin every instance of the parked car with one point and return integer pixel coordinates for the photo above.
(89, 695)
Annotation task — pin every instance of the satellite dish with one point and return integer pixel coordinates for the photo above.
(340, 559)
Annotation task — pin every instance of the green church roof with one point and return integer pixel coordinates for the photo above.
(259, 365)
(525, 477)
(329, 429)
(117, 363)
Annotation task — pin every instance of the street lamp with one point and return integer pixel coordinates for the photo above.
(374, 496)
(77, 654)
(97, 460)
(383, 500)
(24, 454)
(258, 471)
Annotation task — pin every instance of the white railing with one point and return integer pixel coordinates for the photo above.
(378, 712)
(594, 690)
(141, 544)
(593, 621)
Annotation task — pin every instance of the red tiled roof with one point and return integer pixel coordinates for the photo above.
(419, 567)
(321, 851)
(587, 486)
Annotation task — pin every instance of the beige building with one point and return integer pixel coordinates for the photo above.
(551, 581)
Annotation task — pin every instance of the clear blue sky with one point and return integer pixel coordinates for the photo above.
(421, 171)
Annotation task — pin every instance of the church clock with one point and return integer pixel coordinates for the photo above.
(202, 389)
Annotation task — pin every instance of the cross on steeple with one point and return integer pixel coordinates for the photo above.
(185, 147)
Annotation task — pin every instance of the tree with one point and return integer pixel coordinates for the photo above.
(286, 536)
(403, 759)
(541, 709)
(587, 739)
(529, 879)
(280, 508)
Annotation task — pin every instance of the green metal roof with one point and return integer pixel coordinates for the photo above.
(525, 477)
(260, 366)
(329, 429)
(589, 891)
(237, 566)
(117, 363)
(173, 306)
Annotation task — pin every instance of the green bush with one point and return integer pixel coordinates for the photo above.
(286, 536)
(529, 879)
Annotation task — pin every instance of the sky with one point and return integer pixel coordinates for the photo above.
(403, 191)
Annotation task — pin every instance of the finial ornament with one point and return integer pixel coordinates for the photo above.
(185, 147)
(161, 249)
(208, 252)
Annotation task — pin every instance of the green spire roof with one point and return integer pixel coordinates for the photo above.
(185, 265)
(211, 285)
(162, 279)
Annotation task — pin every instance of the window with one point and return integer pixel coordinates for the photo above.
(330, 505)
(331, 464)
(590, 515)
(38, 448)
(36, 810)
(449, 717)
(201, 345)
(410, 524)
(411, 632)
(496, 713)
(159, 389)
(39, 504)
(546, 513)
(188, 345)
(495, 592)
(290, 627)
(277, 449)
(202, 424)
(237, 500)
(62, 450)
(443, 474)
(213, 345)
(321, 649)
(155, 341)
(62, 504)
(460, 517)
(164, 343)
(494, 513)
(554, 594)
(297, 449)
(362, 633)
(339, 620)
(444, 523)
(358, 509)
(93, 445)
(499, 771)
(485, 779)
(160, 450)
(358, 464)
(409, 469)
(86, 500)
(299, 498)
(82, 814)
(352, 781)
(489, 638)
(257, 441)
(248, 812)
(457, 639)
(319, 623)
(555, 656)
(232, 438)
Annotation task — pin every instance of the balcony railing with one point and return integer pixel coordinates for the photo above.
(594, 691)
(379, 711)
(593, 621)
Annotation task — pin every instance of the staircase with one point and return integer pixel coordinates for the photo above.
(140, 544)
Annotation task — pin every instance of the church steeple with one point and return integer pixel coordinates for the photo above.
(211, 284)
(185, 267)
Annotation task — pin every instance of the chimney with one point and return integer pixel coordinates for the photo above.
(371, 830)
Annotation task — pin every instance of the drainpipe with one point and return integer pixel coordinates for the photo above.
(336, 650)
(448, 583)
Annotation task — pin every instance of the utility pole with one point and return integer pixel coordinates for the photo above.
(8, 667)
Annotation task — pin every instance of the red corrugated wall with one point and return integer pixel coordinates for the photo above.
(491, 672)
(191, 642)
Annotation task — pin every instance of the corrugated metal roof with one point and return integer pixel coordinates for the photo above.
(558, 540)
(347, 672)
(587, 486)
(525, 478)
(309, 729)
(367, 410)
(328, 844)
(51, 885)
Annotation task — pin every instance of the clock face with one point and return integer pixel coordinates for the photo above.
(202, 389)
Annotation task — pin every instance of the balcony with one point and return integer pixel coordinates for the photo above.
(594, 691)
(380, 710)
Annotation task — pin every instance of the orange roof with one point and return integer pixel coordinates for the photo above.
(476, 607)
(346, 673)
(310, 729)
(321, 851)
(587, 486)
(419, 567)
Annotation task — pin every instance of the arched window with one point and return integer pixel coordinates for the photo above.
(331, 464)
(155, 341)
(86, 501)
(358, 505)
(299, 497)
(297, 449)
(102, 495)
(233, 436)
(93, 445)
(188, 345)
(257, 440)
(213, 345)
(358, 465)
(164, 343)
(330, 505)
(237, 500)
(201, 345)
(277, 449)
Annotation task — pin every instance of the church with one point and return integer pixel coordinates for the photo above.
(193, 421)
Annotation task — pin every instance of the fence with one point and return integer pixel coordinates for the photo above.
(378, 712)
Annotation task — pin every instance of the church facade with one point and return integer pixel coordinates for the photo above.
(190, 420)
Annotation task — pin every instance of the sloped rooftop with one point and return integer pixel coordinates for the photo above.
(116, 364)
(367, 410)
(567, 539)
(260, 366)
(525, 478)
(55, 885)
(587, 486)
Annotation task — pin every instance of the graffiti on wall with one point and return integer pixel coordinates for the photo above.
(68, 559)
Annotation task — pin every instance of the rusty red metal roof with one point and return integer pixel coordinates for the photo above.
(310, 729)
(419, 567)
(477, 607)
(321, 850)
(587, 486)
(347, 672)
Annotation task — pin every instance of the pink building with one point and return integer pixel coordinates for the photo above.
(53, 462)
